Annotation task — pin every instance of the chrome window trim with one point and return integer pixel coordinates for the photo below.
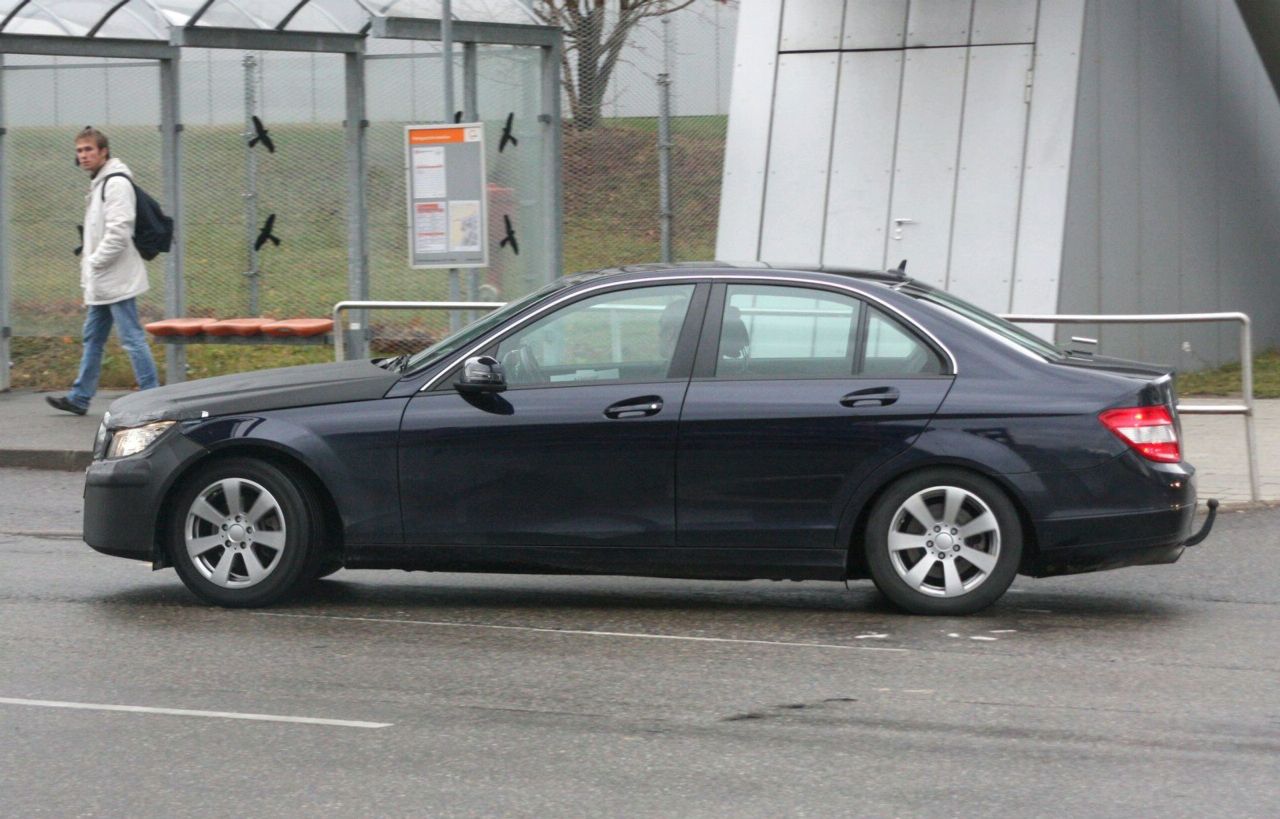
(694, 279)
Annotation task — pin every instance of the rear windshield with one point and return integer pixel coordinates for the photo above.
(989, 321)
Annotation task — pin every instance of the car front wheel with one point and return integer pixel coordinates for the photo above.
(943, 542)
(244, 534)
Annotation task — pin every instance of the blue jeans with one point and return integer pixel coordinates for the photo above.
(97, 326)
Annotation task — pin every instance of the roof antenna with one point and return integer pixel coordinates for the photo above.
(901, 269)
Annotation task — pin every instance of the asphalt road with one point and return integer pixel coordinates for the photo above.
(1140, 692)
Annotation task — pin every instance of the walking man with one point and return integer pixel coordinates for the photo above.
(112, 272)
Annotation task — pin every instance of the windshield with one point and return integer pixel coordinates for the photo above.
(990, 321)
(480, 326)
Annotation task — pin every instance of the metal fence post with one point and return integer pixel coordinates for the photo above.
(357, 215)
(553, 213)
(446, 63)
(171, 165)
(664, 163)
(250, 64)
(5, 330)
(1246, 377)
(471, 113)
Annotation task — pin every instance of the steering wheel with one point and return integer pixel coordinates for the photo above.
(522, 367)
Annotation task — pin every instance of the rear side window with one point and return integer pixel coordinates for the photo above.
(784, 332)
(893, 350)
(770, 331)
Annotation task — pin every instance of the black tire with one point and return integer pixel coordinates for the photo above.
(914, 574)
(273, 560)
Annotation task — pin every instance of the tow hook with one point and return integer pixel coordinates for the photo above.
(1208, 524)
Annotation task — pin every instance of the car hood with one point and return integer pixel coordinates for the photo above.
(254, 391)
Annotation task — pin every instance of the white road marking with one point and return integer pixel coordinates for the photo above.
(871, 636)
(1004, 631)
(580, 632)
(980, 637)
(183, 712)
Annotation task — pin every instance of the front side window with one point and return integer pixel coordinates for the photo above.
(627, 335)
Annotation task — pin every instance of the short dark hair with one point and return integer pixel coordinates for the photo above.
(95, 136)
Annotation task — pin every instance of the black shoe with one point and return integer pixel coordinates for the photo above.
(64, 403)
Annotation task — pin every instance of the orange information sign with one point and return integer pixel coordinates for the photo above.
(445, 182)
(436, 136)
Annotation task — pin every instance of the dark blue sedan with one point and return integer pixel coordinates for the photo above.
(697, 421)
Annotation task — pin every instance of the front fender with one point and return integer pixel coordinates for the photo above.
(351, 449)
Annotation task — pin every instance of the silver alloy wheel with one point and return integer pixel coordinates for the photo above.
(235, 533)
(944, 541)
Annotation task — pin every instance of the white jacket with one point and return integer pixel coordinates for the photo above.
(111, 269)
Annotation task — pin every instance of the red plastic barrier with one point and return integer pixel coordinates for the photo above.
(178, 326)
(237, 326)
(299, 327)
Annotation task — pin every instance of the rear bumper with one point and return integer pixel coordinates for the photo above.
(1130, 512)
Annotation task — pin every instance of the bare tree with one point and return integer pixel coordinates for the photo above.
(595, 33)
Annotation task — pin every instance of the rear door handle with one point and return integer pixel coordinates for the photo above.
(635, 407)
(871, 397)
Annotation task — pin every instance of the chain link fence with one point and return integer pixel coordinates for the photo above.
(615, 171)
(290, 203)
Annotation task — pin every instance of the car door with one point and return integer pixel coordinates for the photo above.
(580, 448)
(798, 393)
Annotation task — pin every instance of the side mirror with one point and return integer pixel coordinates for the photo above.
(482, 373)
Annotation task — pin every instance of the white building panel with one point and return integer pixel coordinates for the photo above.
(799, 158)
(938, 23)
(1041, 222)
(990, 175)
(925, 166)
(811, 25)
(862, 159)
(747, 142)
(997, 22)
(874, 24)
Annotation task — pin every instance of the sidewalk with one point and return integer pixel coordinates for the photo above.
(36, 436)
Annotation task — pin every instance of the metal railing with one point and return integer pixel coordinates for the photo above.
(1246, 366)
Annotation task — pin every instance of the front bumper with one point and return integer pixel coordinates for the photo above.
(122, 497)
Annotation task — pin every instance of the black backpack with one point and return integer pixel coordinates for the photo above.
(152, 230)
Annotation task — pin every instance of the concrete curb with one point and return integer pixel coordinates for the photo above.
(62, 460)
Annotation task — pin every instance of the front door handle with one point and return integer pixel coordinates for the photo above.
(635, 407)
(873, 396)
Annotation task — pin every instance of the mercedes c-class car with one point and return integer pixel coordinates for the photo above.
(690, 421)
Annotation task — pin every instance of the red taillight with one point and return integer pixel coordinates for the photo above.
(1148, 430)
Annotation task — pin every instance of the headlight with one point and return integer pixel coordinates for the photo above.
(132, 440)
(100, 441)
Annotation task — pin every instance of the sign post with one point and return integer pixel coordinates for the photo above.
(445, 184)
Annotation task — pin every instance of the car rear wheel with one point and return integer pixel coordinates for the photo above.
(244, 534)
(943, 542)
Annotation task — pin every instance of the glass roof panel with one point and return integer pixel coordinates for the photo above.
(137, 20)
(480, 11)
(314, 18)
(148, 19)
